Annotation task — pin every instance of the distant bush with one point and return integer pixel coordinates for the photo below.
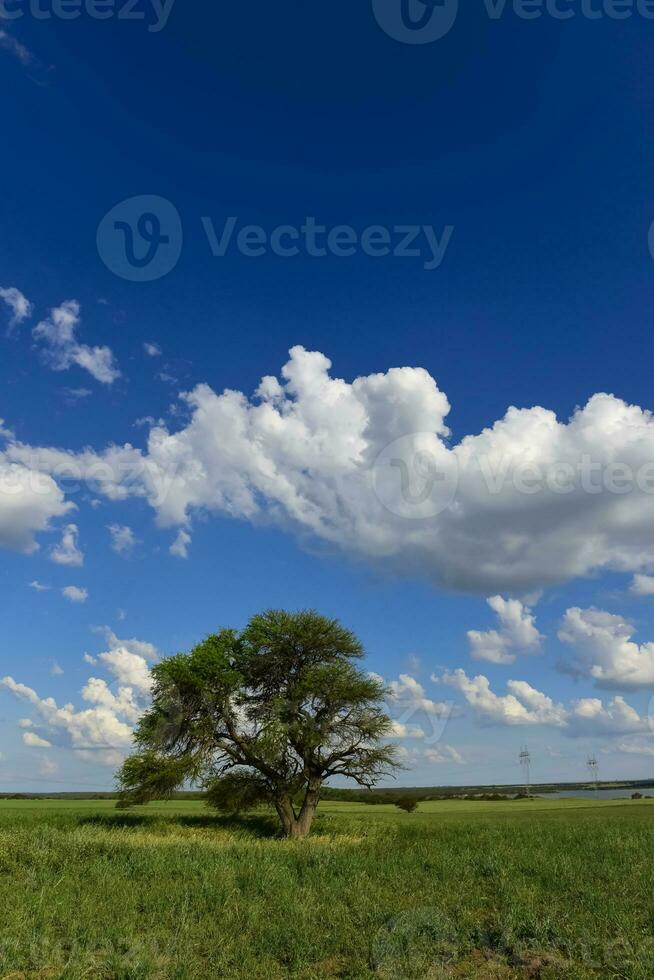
(406, 803)
(636, 796)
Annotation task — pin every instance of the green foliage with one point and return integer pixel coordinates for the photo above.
(237, 791)
(152, 776)
(265, 714)
(406, 803)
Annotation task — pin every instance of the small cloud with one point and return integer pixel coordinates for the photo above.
(88, 659)
(19, 306)
(73, 594)
(47, 767)
(4, 432)
(19, 51)
(67, 551)
(400, 730)
(407, 757)
(34, 741)
(517, 633)
(636, 747)
(152, 350)
(74, 395)
(25, 723)
(39, 587)
(56, 670)
(179, 547)
(149, 421)
(443, 754)
(168, 378)
(61, 349)
(122, 538)
(642, 585)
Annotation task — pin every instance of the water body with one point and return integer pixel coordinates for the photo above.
(602, 794)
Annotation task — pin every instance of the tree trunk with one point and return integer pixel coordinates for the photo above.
(308, 811)
(297, 827)
(286, 815)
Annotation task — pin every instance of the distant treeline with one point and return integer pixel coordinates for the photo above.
(484, 792)
(190, 795)
(416, 794)
(386, 795)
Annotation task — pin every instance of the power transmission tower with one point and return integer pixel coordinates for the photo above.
(525, 762)
(593, 769)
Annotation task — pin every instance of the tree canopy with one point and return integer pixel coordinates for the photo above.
(263, 715)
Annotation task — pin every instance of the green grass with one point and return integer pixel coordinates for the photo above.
(458, 889)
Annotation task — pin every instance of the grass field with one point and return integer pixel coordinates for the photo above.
(458, 889)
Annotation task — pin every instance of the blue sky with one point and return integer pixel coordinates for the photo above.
(528, 140)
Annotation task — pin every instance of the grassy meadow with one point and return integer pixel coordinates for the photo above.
(521, 889)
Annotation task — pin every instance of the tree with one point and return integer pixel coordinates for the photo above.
(406, 803)
(264, 715)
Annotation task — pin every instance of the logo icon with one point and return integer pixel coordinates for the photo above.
(416, 21)
(419, 942)
(415, 477)
(141, 238)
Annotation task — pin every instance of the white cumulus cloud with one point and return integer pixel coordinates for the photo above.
(517, 633)
(604, 649)
(102, 732)
(369, 467)
(29, 500)
(525, 705)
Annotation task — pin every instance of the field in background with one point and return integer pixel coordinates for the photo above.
(522, 889)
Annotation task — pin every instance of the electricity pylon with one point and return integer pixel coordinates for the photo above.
(525, 762)
(593, 769)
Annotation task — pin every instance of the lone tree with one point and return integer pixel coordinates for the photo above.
(406, 803)
(264, 715)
